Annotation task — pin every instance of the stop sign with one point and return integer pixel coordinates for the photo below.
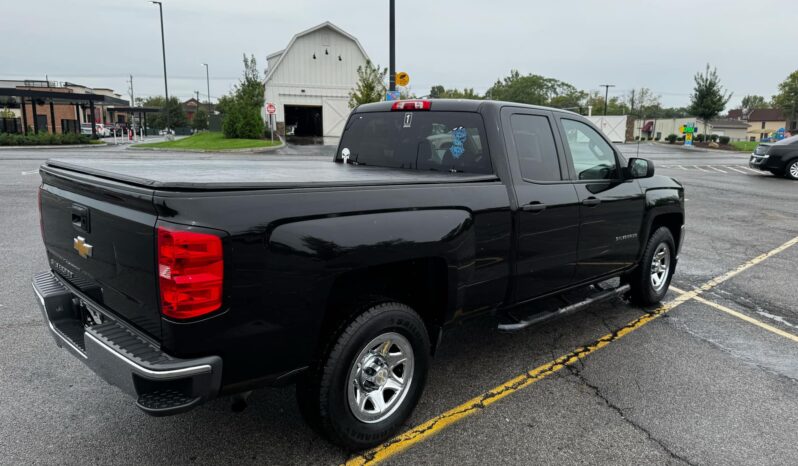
(270, 108)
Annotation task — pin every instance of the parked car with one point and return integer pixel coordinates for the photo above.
(101, 130)
(180, 282)
(779, 158)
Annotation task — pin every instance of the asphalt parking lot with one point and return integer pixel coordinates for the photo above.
(709, 378)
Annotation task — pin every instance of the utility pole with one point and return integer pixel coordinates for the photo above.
(198, 106)
(392, 46)
(606, 95)
(163, 51)
(208, 83)
(132, 98)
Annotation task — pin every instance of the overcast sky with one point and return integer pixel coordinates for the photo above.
(657, 44)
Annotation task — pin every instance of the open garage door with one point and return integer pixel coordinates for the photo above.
(303, 121)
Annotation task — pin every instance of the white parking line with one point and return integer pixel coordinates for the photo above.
(758, 172)
(681, 167)
(707, 171)
(738, 171)
(716, 169)
(31, 172)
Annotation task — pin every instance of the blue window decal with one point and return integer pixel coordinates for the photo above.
(458, 139)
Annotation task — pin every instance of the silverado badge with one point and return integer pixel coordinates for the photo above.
(82, 247)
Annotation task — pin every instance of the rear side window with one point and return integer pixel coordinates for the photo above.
(534, 143)
(421, 140)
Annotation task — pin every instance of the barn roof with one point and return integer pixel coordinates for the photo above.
(323, 25)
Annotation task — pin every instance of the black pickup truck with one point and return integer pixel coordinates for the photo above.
(184, 280)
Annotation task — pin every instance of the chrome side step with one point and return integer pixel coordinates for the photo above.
(538, 318)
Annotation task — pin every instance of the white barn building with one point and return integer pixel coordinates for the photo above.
(309, 81)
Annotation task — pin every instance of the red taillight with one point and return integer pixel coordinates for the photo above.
(403, 105)
(190, 271)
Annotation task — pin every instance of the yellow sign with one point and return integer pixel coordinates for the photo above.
(402, 79)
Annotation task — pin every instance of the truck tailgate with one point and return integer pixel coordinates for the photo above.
(100, 238)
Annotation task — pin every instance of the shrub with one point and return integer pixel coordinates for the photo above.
(698, 138)
(680, 138)
(31, 139)
(656, 138)
(671, 138)
(637, 138)
(650, 138)
(724, 140)
(713, 138)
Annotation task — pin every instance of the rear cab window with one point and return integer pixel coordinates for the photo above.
(418, 140)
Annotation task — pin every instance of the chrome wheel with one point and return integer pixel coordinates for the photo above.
(794, 170)
(380, 377)
(660, 266)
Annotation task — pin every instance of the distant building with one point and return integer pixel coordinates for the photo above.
(190, 108)
(310, 80)
(57, 107)
(662, 127)
(764, 122)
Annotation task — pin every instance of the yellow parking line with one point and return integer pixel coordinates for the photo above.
(431, 427)
(742, 316)
(434, 425)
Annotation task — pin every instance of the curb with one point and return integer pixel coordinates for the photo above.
(254, 150)
(704, 149)
(58, 146)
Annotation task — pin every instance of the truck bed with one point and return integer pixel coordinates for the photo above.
(252, 174)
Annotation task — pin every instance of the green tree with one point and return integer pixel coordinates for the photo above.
(370, 85)
(751, 102)
(177, 117)
(708, 98)
(615, 105)
(670, 112)
(241, 109)
(200, 120)
(643, 102)
(537, 90)
(440, 92)
(787, 98)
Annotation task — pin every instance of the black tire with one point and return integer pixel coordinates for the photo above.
(643, 291)
(323, 393)
(791, 170)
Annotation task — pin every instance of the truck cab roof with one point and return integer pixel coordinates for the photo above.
(455, 105)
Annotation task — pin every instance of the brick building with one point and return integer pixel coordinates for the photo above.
(47, 106)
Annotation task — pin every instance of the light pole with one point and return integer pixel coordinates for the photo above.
(208, 83)
(392, 46)
(163, 51)
(606, 95)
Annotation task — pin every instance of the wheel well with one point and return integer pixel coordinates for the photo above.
(419, 283)
(673, 222)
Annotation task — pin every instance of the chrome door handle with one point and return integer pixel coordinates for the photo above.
(591, 202)
(534, 207)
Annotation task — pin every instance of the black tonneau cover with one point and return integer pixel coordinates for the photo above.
(252, 174)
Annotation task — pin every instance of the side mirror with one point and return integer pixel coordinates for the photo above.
(640, 168)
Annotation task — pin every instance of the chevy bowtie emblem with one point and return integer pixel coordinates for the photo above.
(82, 247)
